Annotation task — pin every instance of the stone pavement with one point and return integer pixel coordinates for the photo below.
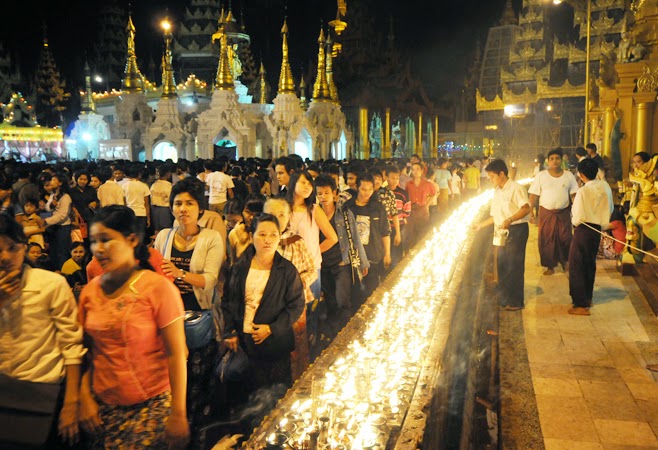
(590, 387)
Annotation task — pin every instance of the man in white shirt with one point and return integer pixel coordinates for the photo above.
(160, 193)
(110, 192)
(137, 196)
(220, 188)
(510, 209)
(554, 188)
(591, 211)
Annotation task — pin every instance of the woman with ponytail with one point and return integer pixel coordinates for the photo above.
(58, 225)
(133, 394)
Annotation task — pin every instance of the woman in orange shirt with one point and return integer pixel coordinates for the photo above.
(133, 396)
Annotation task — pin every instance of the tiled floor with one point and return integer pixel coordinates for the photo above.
(591, 385)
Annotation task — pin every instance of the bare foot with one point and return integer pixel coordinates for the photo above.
(549, 271)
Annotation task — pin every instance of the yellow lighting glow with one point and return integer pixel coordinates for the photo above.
(366, 391)
(166, 25)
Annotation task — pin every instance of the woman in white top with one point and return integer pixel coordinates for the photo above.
(192, 258)
(38, 307)
(192, 255)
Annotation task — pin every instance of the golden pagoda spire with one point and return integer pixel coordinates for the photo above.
(263, 85)
(88, 105)
(302, 97)
(132, 78)
(321, 88)
(224, 79)
(222, 16)
(286, 83)
(333, 91)
(168, 83)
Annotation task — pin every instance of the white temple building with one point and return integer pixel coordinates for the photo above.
(193, 120)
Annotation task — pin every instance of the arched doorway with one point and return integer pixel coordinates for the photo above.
(224, 146)
(339, 147)
(304, 145)
(164, 150)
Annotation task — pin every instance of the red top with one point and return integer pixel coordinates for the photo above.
(127, 349)
(418, 194)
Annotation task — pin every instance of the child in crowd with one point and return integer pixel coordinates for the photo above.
(33, 225)
(34, 253)
(36, 257)
(74, 263)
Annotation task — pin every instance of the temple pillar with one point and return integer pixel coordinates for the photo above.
(363, 133)
(419, 145)
(386, 150)
(435, 146)
(608, 100)
(644, 119)
(628, 74)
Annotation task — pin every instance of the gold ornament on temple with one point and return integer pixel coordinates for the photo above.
(286, 83)
(321, 87)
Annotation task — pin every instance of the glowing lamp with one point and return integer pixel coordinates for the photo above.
(86, 136)
(98, 79)
(166, 25)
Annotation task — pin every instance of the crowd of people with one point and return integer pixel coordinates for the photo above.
(122, 284)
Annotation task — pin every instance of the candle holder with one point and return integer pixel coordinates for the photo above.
(276, 441)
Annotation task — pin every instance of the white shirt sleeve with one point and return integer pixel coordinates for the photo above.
(535, 187)
(577, 209)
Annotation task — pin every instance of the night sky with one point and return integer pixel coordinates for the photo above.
(439, 35)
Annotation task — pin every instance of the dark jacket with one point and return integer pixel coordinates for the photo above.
(282, 304)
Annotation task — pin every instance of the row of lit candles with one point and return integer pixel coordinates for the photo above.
(366, 390)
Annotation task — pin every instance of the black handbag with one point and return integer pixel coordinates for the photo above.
(232, 366)
(199, 328)
(27, 411)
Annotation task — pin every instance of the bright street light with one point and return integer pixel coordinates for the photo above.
(166, 25)
(98, 79)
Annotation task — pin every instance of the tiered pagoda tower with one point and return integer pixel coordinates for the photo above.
(195, 52)
(133, 113)
(51, 89)
(193, 49)
(165, 137)
(287, 119)
(110, 54)
(532, 85)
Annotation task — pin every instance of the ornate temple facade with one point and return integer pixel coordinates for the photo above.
(532, 85)
(389, 107)
(228, 113)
